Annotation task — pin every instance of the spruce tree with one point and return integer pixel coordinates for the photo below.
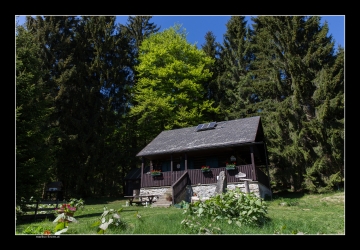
(213, 90)
(88, 68)
(290, 52)
(235, 81)
(34, 158)
(139, 28)
(135, 30)
(327, 132)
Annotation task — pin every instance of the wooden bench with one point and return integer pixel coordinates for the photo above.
(136, 202)
(140, 199)
(36, 209)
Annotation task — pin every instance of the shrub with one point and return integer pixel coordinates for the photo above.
(77, 203)
(233, 206)
(110, 218)
(32, 229)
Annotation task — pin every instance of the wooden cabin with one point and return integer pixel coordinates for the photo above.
(180, 154)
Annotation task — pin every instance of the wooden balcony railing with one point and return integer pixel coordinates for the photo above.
(197, 176)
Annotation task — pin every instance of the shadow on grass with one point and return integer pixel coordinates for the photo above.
(104, 200)
(130, 210)
(287, 194)
(87, 215)
(26, 219)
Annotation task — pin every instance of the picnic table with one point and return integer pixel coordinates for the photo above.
(141, 199)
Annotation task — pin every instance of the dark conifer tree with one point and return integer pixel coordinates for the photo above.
(102, 75)
(88, 70)
(290, 53)
(139, 28)
(326, 133)
(34, 159)
(136, 30)
(235, 81)
(55, 38)
(213, 90)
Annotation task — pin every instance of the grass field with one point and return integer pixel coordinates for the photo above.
(288, 213)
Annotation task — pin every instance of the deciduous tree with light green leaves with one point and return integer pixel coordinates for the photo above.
(169, 93)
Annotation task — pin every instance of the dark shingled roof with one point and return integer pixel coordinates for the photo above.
(226, 133)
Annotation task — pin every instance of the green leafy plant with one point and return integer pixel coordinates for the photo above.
(77, 203)
(62, 222)
(66, 208)
(234, 206)
(64, 217)
(35, 230)
(110, 217)
(200, 228)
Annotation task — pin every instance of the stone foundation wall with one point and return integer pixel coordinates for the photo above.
(157, 191)
(208, 190)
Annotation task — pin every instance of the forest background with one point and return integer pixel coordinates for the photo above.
(90, 94)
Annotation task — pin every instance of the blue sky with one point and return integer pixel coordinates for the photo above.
(197, 26)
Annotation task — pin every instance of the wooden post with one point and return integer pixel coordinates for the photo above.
(253, 163)
(267, 167)
(246, 187)
(43, 193)
(171, 169)
(246, 184)
(142, 171)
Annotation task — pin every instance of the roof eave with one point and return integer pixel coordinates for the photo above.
(197, 149)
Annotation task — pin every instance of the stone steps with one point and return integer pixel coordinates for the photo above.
(162, 202)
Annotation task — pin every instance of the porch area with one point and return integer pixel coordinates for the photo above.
(196, 176)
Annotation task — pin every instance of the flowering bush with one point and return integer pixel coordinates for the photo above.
(66, 212)
(109, 218)
(77, 203)
(66, 208)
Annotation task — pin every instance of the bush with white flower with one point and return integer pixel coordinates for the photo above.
(110, 217)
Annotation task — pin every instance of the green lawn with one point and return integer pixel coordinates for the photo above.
(289, 213)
